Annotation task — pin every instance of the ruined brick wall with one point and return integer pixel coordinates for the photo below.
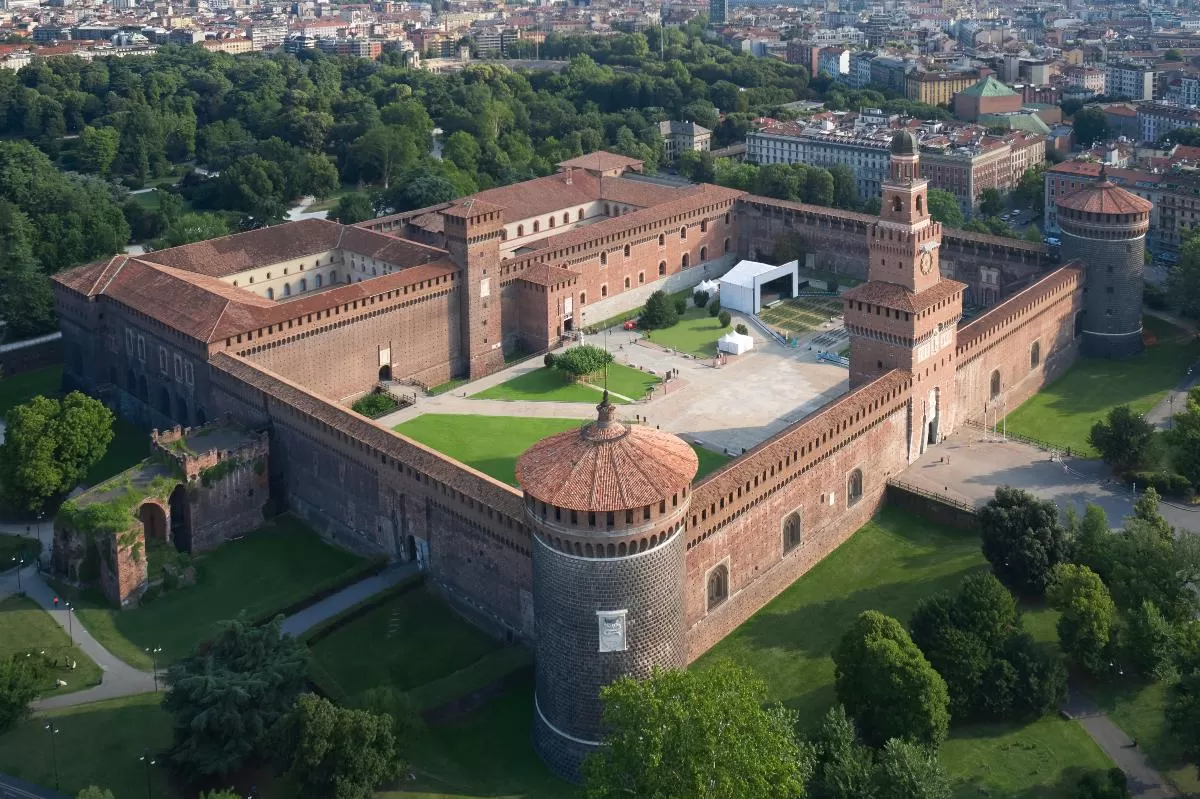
(738, 513)
(1002, 340)
(228, 506)
(418, 339)
(835, 240)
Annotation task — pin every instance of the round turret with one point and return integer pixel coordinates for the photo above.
(606, 504)
(1104, 228)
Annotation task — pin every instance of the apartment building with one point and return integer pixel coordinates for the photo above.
(937, 88)
(1155, 120)
(1088, 79)
(1129, 81)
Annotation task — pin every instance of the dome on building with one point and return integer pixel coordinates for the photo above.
(607, 465)
(1104, 197)
(904, 143)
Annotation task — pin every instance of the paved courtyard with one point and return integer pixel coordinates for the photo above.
(726, 408)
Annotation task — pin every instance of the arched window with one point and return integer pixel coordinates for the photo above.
(854, 485)
(604, 290)
(791, 532)
(725, 246)
(920, 204)
(536, 226)
(896, 204)
(235, 284)
(683, 233)
(626, 282)
(583, 298)
(321, 280)
(641, 278)
(520, 230)
(268, 275)
(1035, 355)
(566, 218)
(662, 239)
(333, 276)
(662, 267)
(703, 225)
(603, 259)
(995, 384)
(551, 221)
(626, 251)
(718, 586)
(684, 262)
(304, 284)
(579, 215)
(270, 294)
(703, 253)
(287, 289)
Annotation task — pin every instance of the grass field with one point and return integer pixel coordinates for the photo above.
(1140, 710)
(801, 314)
(1063, 413)
(130, 446)
(24, 386)
(492, 444)
(13, 547)
(551, 385)
(96, 744)
(890, 565)
(25, 627)
(272, 568)
(696, 333)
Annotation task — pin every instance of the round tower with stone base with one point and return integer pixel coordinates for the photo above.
(1104, 227)
(606, 504)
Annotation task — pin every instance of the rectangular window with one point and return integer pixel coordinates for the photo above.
(189, 374)
(129, 341)
(162, 360)
(141, 348)
(178, 369)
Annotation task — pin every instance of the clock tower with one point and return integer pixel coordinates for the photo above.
(906, 316)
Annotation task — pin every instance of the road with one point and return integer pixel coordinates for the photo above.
(13, 788)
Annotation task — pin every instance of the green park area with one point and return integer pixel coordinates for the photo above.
(26, 629)
(890, 565)
(492, 444)
(268, 570)
(1062, 414)
(1139, 708)
(552, 385)
(695, 333)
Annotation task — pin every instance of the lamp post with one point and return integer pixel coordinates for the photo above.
(53, 731)
(20, 561)
(153, 652)
(149, 761)
(1171, 402)
(70, 622)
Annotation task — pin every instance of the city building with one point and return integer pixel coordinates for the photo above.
(1156, 120)
(1091, 80)
(1129, 81)
(833, 61)
(718, 11)
(678, 137)
(988, 96)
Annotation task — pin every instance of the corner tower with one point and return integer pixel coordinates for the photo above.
(607, 505)
(906, 316)
(473, 231)
(1104, 227)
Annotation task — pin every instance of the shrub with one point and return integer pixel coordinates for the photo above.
(1168, 484)
(700, 298)
(1155, 297)
(714, 308)
(583, 360)
(742, 329)
(724, 318)
(680, 306)
(549, 360)
(374, 405)
(658, 313)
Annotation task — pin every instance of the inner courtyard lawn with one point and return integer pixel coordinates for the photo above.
(1063, 413)
(492, 444)
(551, 385)
(890, 565)
(696, 333)
(25, 627)
(276, 566)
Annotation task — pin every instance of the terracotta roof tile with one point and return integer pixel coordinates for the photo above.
(547, 275)
(601, 161)
(1105, 197)
(229, 255)
(541, 196)
(895, 296)
(641, 193)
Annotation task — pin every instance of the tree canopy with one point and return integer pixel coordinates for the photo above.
(1023, 539)
(943, 207)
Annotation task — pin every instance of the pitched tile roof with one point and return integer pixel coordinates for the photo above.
(547, 275)
(601, 161)
(229, 255)
(1104, 197)
(898, 297)
(542, 196)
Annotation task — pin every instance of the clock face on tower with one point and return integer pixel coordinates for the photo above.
(926, 262)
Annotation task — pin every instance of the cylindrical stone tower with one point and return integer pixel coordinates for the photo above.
(1104, 228)
(607, 505)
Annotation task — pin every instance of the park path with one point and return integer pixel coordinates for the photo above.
(1144, 781)
(1176, 399)
(304, 620)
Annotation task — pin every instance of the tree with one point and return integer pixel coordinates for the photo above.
(1173, 54)
(50, 444)
(1184, 437)
(818, 186)
(1183, 281)
(1111, 784)
(944, 207)
(583, 360)
(462, 149)
(194, 227)
(714, 307)
(990, 202)
(229, 693)
(845, 187)
(1032, 234)
(93, 792)
(658, 313)
(1091, 126)
(887, 685)
(382, 153)
(724, 317)
(1086, 624)
(1183, 714)
(20, 680)
(1123, 439)
(1148, 642)
(97, 149)
(910, 771)
(712, 726)
(1023, 539)
(335, 752)
(352, 207)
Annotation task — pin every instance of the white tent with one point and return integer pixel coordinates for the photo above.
(710, 287)
(741, 287)
(735, 343)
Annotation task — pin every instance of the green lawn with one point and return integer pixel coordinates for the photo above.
(890, 565)
(492, 444)
(272, 568)
(1063, 413)
(1139, 709)
(130, 446)
(407, 642)
(551, 385)
(96, 744)
(23, 386)
(696, 333)
(17, 546)
(25, 627)
(449, 385)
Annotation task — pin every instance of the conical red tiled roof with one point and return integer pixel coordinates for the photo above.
(1105, 197)
(607, 465)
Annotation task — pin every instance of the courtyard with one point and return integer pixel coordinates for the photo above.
(801, 314)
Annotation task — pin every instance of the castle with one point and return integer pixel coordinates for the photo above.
(612, 558)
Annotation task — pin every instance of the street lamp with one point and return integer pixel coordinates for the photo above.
(154, 663)
(20, 561)
(149, 761)
(53, 731)
(70, 622)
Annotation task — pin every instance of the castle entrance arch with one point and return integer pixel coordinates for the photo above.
(181, 519)
(154, 521)
(931, 414)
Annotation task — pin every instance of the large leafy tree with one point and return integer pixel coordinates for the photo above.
(190, 227)
(352, 207)
(1183, 714)
(944, 207)
(227, 695)
(658, 313)
(1091, 126)
(20, 680)
(1087, 615)
(699, 733)
(887, 685)
(1124, 439)
(50, 444)
(333, 752)
(1023, 539)
(990, 202)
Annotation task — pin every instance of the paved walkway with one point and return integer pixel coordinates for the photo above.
(330, 606)
(13, 788)
(1144, 781)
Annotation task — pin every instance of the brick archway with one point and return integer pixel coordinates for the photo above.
(154, 521)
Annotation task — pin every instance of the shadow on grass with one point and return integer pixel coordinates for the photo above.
(1063, 787)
